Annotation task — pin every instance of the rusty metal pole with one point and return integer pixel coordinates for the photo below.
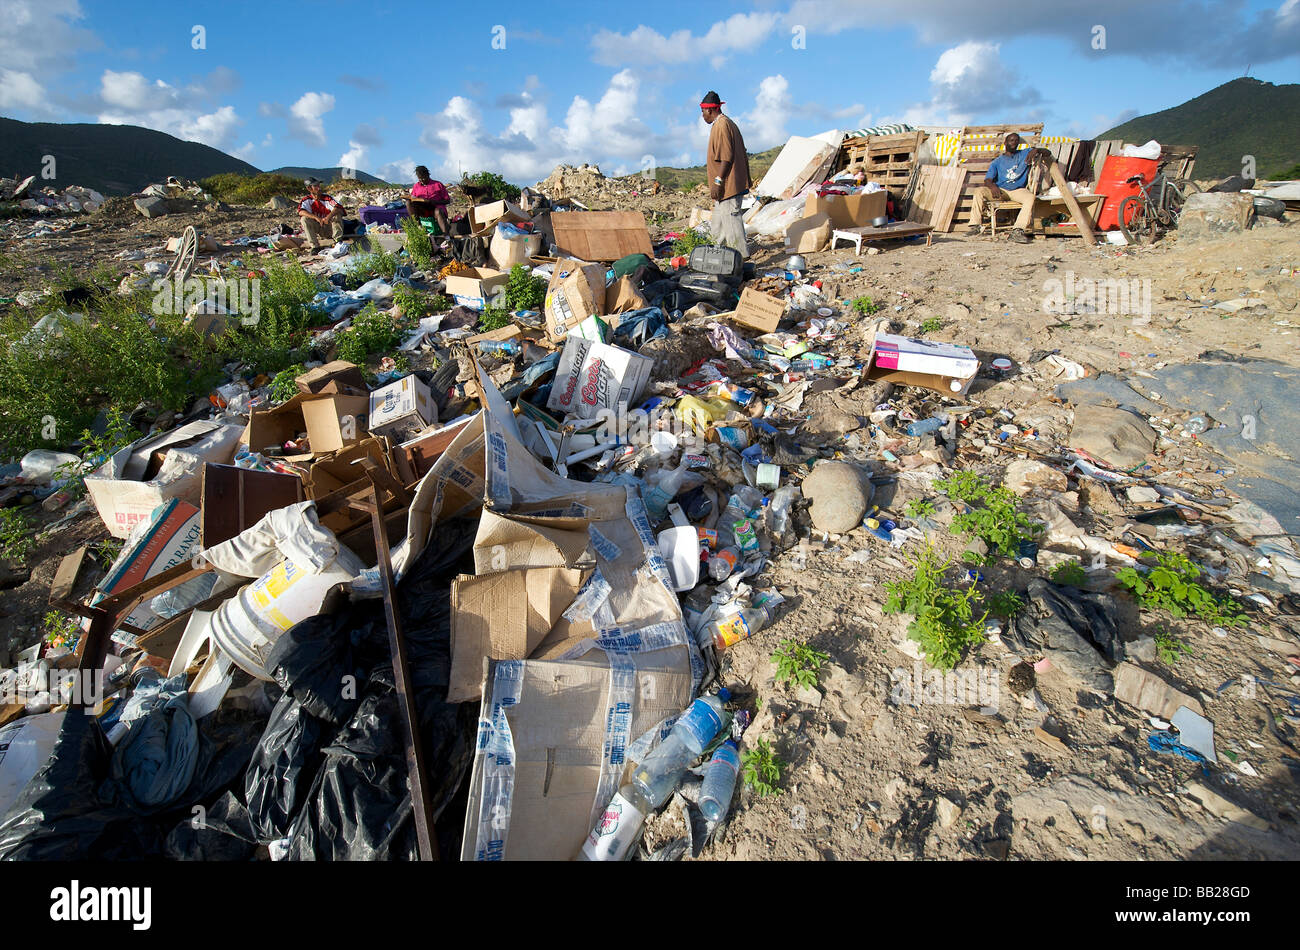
(421, 807)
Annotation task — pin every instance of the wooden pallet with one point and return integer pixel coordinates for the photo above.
(1101, 150)
(934, 197)
(887, 159)
(1181, 160)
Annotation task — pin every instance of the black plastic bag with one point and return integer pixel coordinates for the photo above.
(282, 768)
(223, 833)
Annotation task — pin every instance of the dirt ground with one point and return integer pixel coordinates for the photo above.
(874, 774)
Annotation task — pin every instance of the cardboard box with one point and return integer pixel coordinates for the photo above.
(235, 499)
(808, 235)
(622, 297)
(601, 235)
(172, 463)
(576, 292)
(334, 422)
(848, 211)
(942, 367)
(485, 217)
(339, 376)
(594, 376)
(271, 428)
(475, 287)
(758, 310)
(506, 252)
(340, 469)
(402, 409)
(413, 459)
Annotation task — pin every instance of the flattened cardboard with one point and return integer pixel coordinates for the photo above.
(503, 616)
(524, 543)
(758, 310)
(576, 292)
(601, 235)
(848, 211)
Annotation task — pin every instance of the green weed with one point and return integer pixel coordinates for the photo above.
(1005, 603)
(1071, 573)
(944, 621)
(283, 385)
(107, 551)
(761, 768)
(689, 241)
(371, 332)
(994, 516)
(1171, 586)
(17, 540)
(920, 508)
(932, 325)
(418, 242)
(493, 318)
(523, 290)
(865, 306)
(59, 629)
(499, 188)
(798, 663)
(1169, 649)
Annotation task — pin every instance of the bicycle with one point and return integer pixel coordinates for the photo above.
(1156, 206)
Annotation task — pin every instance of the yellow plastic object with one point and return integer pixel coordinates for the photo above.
(699, 414)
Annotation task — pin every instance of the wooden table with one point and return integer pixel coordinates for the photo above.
(896, 229)
(1047, 206)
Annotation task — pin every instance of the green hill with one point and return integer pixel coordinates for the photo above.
(1242, 117)
(684, 179)
(326, 175)
(114, 159)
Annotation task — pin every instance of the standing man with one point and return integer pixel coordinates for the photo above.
(1006, 179)
(727, 166)
(319, 212)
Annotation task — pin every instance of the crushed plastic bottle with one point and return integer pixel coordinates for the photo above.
(661, 772)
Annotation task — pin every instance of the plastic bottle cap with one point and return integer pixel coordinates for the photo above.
(724, 694)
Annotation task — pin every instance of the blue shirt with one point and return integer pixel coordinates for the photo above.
(1010, 171)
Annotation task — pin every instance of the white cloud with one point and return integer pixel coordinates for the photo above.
(129, 98)
(354, 157)
(647, 46)
(764, 127)
(132, 92)
(19, 90)
(969, 80)
(38, 36)
(245, 151)
(401, 170)
(305, 122)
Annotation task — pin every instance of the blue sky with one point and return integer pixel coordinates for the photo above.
(519, 87)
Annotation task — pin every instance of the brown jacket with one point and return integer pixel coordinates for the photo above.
(727, 160)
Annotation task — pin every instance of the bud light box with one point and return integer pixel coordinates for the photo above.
(946, 368)
(402, 409)
(596, 376)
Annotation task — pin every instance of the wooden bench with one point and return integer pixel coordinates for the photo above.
(1043, 207)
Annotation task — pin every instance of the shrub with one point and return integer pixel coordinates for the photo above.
(499, 188)
(371, 332)
(234, 188)
(943, 618)
(689, 241)
(418, 243)
(523, 290)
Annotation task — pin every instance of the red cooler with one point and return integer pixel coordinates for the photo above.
(1111, 183)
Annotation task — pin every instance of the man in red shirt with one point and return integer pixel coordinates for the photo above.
(318, 212)
(429, 199)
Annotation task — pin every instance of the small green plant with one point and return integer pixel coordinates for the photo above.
(418, 243)
(59, 629)
(523, 290)
(689, 241)
(283, 385)
(994, 513)
(16, 538)
(1005, 603)
(107, 550)
(865, 306)
(931, 325)
(363, 268)
(1071, 573)
(499, 189)
(371, 332)
(1169, 649)
(761, 768)
(1171, 586)
(943, 618)
(798, 663)
(494, 318)
(920, 508)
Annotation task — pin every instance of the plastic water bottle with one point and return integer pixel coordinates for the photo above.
(724, 562)
(923, 426)
(720, 780)
(508, 348)
(730, 630)
(661, 772)
(778, 512)
(657, 497)
(617, 827)
(743, 500)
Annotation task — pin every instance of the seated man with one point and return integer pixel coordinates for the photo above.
(319, 212)
(429, 199)
(1006, 179)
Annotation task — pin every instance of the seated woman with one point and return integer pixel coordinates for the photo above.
(429, 199)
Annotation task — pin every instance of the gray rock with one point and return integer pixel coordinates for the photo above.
(808, 695)
(1141, 494)
(1024, 476)
(839, 496)
(1116, 436)
(152, 207)
(1210, 215)
(947, 812)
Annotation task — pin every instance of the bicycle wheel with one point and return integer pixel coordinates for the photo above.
(1177, 194)
(1137, 225)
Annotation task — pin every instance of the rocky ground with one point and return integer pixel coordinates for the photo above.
(1047, 769)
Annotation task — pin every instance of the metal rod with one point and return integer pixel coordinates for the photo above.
(421, 806)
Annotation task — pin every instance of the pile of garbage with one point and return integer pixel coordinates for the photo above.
(514, 576)
(74, 199)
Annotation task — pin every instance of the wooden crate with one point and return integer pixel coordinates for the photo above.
(887, 159)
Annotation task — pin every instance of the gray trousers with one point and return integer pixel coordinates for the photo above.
(728, 226)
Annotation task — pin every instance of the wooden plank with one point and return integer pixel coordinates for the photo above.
(1077, 213)
(65, 578)
(235, 499)
(601, 235)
